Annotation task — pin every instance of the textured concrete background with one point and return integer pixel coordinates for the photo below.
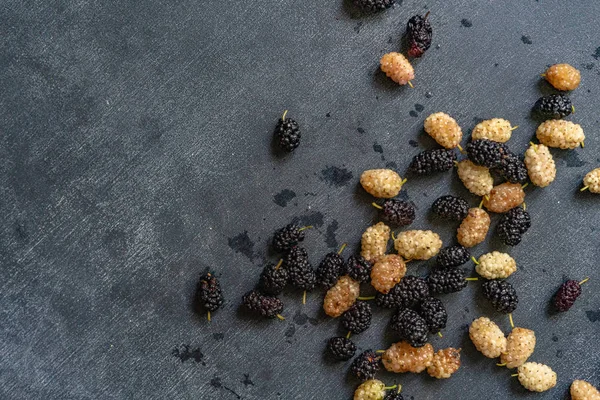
(135, 148)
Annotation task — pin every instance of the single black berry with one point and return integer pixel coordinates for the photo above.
(397, 212)
(553, 106)
(330, 269)
(567, 294)
(411, 327)
(446, 281)
(430, 161)
(453, 256)
(502, 295)
(341, 348)
(486, 152)
(366, 365)
(434, 313)
(513, 169)
(451, 207)
(273, 279)
(393, 395)
(288, 237)
(300, 271)
(208, 294)
(372, 6)
(419, 34)
(264, 305)
(358, 318)
(288, 133)
(407, 293)
(513, 225)
(359, 269)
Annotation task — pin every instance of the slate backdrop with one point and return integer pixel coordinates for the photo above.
(136, 151)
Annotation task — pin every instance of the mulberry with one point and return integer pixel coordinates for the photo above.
(273, 279)
(451, 207)
(372, 6)
(397, 68)
(513, 169)
(372, 389)
(209, 294)
(496, 129)
(419, 35)
(496, 265)
(401, 357)
(358, 318)
(443, 129)
(553, 106)
(453, 256)
(418, 245)
(536, 377)
(266, 306)
(397, 212)
(359, 269)
(487, 337)
(330, 269)
(567, 294)
(513, 225)
(502, 295)
(582, 390)
(445, 362)
(341, 296)
(540, 165)
(446, 281)
(374, 241)
(560, 133)
(519, 346)
(383, 183)
(477, 179)
(431, 161)
(411, 327)
(473, 228)
(563, 77)
(387, 272)
(366, 365)
(486, 153)
(434, 313)
(301, 274)
(341, 348)
(591, 181)
(504, 197)
(288, 134)
(288, 237)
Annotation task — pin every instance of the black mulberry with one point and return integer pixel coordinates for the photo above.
(301, 273)
(486, 152)
(502, 295)
(419, 34)
(273, 279)
(208, 294)
(513, 169)
(358, 318)
(451, 207)
(513, 225)
(393, 395)
(359, 269)
(434, 313)
(446, 281)
(288, 237)
(567, 294)
(288, 133)
(430, 161)
(330, 269)
(373, 6)
(266, 306)
(411, 327)
(366, 365)
(341, 348)
(453, 256)
(397, 212)
(407, 293)
(553, 106)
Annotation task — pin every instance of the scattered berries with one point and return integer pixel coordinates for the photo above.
(496, 265)
(288, 133)
(513, 225)
(504, 197)
(513, 169)
(477, 179)
(540, 165)
(563, 77)
(519, 346)
(553, 106)
(341, 348)
(486, 152)
(487, 337)
(287, 237)
(536, 377)
(445, 362)
(502, 295)
(266, 306)
(473, 228)
(567, 294)
(374, 241)
(341, 296)
(443, 281)
(301, 274)
(359, 269)
(431, 161)
(419, 34)
(582, 390)
(383, 183)
(372, 389)
(453, 256)
(451, 207)
(330, 269)
(358, 318)
(560, 133)
(387, 272)
(592, 180)
(401, 357)
(434, 313)
(443, 129)
(366, 365)
(496, 129)
(372, 6)
(209, 294)
(411, 327)
(398, 212)
(397, 68)
(273, 279)
(418, 245)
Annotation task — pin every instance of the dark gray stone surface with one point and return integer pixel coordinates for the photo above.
(135, 148)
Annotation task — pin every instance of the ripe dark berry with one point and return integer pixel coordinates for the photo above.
(366, 365)
(398, 212)
(411, 327)
(446, 281)
(502, 295)
(373, 6)
(434, 313)
(288, 133)
(393, 396)
(513, 169)
(567, 294)
(451, 207)
(358, 318)
(486, 152)
(430, 161)
(330, 269)
(340, 348)
(266, 306)
(419, 34)
(453, 256)
(273, 279)
(359, 269)
(513, 225)
(407, 293)
(208, 294)
(553, 106)
(287, 237)
(301, 273)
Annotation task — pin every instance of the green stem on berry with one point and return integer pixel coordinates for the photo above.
(342, 248)
(582, 144)
(524, 206)
(284, 114)
(380, 351)
(573, 109)
(393, 236)
(279, 264)
(475, 260)
(481, 203)
(455, 163)
(584, 281)
(462, 151)
(403, 181)
(305, 228)
(411, 85)
(281, 317)
(543, 75)
(376, 205)
(514, 127)
(583, 189)
(348, 335)
(513, 375)
(471, 279)
(426, 15)
(501, 365)
(208, 316)
(365, 298)
(390, 387)
(525, 185)
(440, 334)
(304, 297)
(510, 319)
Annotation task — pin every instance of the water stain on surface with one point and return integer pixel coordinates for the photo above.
(282, 198)
(413, 143)
(358, 26)
(391, 165)
(218, 335)
(336, 176)
(184, 353)
(466, 23)
(217, 384)
(413, 113)
(241, 243)
(419, 107)
(313, 218)
(360, 130)
(330, 238)
(21, 230)
(377, 148)
(571, 159)
(554, 338)
(247, 381)
(290, 331)
(596, 55)
(526, 39)
(301, 319)
(593, 316)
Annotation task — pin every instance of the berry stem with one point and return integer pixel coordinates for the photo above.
(342, 248)
(411, 85)
(582, 144)
(304, 297)
(583, 189)
(403, 181)
(455, 163)
(471, 279)
(208, 316)
(510, 318)
(543, 75)
(279, 264)
(284, 114)
(390, 387)
(380, 351)
(474, 260)
(481, 203)
(573, 109)
(281, 317)
(514, 127)
(376, 205)
(501, 365)
(525, 185)
(462, 151)
(524, 206)
(426, 15)
(584, 281)
(305, 228)
(366, 298)
(440, 334)
(348, 334)
(393, 236)
(513, 375)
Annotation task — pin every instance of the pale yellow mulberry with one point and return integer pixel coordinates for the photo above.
(487, 337)
(560, 133)
(496, 265)
(563, 76)
(540, 165)
(383, 183)
(519, 347)
(418, 245)
(397, 68)
(496, 129)
(473, 228)
(536, 377)
(443, 129)
(476, 178)
(591, 180)
(374, 241)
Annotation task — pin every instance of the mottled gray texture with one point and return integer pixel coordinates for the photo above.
(136, 150)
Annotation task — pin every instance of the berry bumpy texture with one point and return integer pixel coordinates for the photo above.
(372, 389)
(453, 256)
(330, 269)
(401, 357)
(563, 77)
(288, 134)
(445, 362)
(418, 245)
(397, 68)
(431, 161)
(486, 153)
(451, 207)
(496, 129)
(496, 265)
(504, 197)
(266, 306)
(411, 327)
(372, 6)
(513, 225)
(582, 390)
(502, 295)
(519, 346)
(487, 337)
(410, 291)
(560, 134)
(540, 165)
(341, 348)
(566, 295)
(553, 106)
(477, 179)
(359, 269)
(443, 281)
(383, 183)
(536, 377)
(592, 180)
(374, 241)
(358, 318)
(419, 35)
(513, 169)
(398, 212)
(341, 296)
(301, 274)
(273, 280)
(208, 293)
(474, 228)
(443, 129)
(387, 272)
(287, 237)
(434, 313)
(393, 395)
(366, 365)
